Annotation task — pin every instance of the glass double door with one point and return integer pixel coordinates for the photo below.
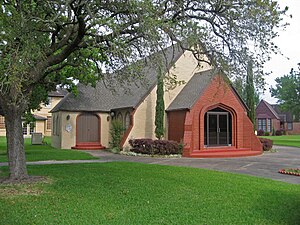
(217, 129)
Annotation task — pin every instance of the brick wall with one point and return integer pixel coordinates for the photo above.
(176, 121)
(219, 94)
(296, 128)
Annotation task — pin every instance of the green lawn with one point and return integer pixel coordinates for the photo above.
(44, 152)
(132, 193)
(285, 140)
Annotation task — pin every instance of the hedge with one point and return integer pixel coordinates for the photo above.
(267, 144)
(155, 147)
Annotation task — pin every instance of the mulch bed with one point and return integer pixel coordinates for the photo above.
(290, 171)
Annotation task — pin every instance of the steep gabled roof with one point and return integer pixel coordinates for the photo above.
(38, 117)
(284, 116)
(103, 99)
(60, 92)
(191, 91)
(271, 109)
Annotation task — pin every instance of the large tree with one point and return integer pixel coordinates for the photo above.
(48, 42)
(287, 91)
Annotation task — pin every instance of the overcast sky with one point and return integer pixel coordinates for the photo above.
(289, 43)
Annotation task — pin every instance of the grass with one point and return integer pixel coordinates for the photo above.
(132, 193)
(285, 140)
(44, 152)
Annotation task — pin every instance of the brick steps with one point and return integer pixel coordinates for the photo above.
(224, 153)
(88, 146)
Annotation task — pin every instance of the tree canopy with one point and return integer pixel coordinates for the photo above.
(287, 91)
(44, 43)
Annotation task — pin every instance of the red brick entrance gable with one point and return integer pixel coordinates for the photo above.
(218, 94)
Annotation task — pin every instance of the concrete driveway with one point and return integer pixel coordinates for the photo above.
(266, 165)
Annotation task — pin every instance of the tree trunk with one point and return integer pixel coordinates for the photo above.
(15, 145)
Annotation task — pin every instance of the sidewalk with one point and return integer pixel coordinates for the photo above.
(266, 165)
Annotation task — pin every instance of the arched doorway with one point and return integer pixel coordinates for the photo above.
(88, 128)
(217, 128)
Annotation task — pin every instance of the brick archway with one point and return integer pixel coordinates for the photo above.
(202, 125)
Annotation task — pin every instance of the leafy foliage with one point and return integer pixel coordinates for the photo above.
(116, 133)
(287, 91)
(267, 144)
(279, 132)
(260, 133)
(160, 107)
(155, 147)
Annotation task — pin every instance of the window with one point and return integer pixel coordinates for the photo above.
(127, 120)
(57, 125)
(31, 127)
(2, 122)
(290, 126)
(24, 129)
(120, 117)
(262, 124)
(49, 122)
(48, 105)
(269, 125)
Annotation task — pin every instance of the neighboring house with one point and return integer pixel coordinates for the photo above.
(205, 114)
(270, 118)
(43, 116)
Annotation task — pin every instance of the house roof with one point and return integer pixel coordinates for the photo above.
(60, 92)
(271, 109)
(37, 117)
(284, 116)
(103, 99)
(194, 88)
(191, 91)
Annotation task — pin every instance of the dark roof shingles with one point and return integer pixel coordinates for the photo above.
(192, 90)
(103, 99)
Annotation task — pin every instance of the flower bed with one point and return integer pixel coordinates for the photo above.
(290, 171)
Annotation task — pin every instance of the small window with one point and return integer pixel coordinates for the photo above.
(127, 120)
(262, 124)
(24, 128)
(269, 125)
(290, 126)
(49, 122)
(2, 122)
(120, 117)
(31, 128)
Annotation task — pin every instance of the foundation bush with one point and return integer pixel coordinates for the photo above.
(267, 144)
(155, 147)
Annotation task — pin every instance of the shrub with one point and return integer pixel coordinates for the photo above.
(260, 133)
(278, 132)
(267, 133)
(116, 133)
(267, 144)
(155, 147)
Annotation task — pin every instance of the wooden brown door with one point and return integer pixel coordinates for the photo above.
(88, 128)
